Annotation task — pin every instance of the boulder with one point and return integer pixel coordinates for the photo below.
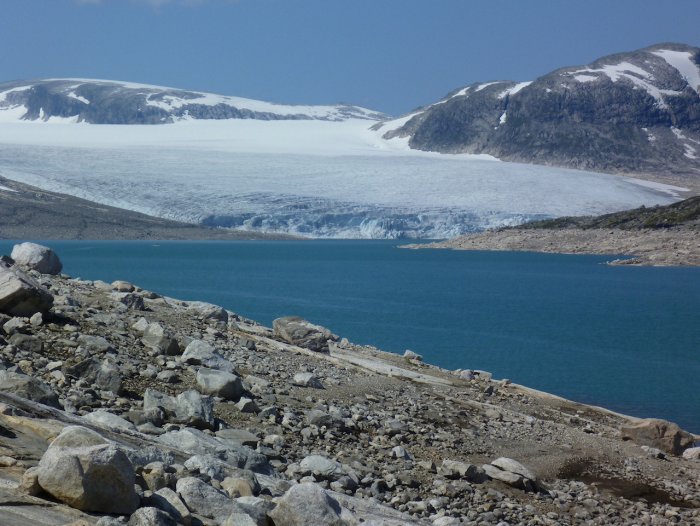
(454, 469)
(692, 453)
(410, 355)
(307, 380)
(102, 374)
(198, 352)
(203, 499)
(512, 473)
(189, 408)
(661, 434)
(27, 342)
(305, 504)
(28, 387)
(150, 516)
(88, 476)
(159, 339)
(123, 286)
(133, 301)
(36, 257)
(219, 383)
(508, 464)
(95, 344)
(21, 295)
(195, 442)
(300, 332)
(209, 311)
(321, 467)
(167, 500)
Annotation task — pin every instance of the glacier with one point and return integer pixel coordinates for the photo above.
(310, 178)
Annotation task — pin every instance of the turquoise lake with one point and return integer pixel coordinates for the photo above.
(626, 338)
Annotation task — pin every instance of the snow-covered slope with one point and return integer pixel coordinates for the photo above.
(310, 177)
(117, 102)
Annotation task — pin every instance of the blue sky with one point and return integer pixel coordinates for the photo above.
(389, 55)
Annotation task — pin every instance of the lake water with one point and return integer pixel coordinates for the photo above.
(626, 338)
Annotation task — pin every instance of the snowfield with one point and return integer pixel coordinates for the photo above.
(313, 178)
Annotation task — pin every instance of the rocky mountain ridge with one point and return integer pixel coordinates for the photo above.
(636, 112)
(119, 406)
(115, 102)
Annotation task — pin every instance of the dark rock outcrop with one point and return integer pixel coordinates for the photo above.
(636, 112)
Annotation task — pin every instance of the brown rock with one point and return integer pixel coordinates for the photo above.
(661, 434)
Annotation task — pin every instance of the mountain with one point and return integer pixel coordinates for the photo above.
(114, 102)
(318, 171)
(636, 112)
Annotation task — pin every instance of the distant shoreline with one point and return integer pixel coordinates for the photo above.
(667, 247)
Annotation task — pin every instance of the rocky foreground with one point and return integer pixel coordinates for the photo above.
(120, 406)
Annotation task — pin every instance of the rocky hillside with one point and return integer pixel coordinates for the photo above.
(658, 236)
(114, 102)
(118, 405)
(636, 112)
(27, 212)
(683, 213)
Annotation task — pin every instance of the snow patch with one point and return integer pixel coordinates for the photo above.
(515, 89)
(585, 78)
(682, 61)
(503, 118)
(631, 73)
(486, 85)
(6, 189)
(75, 96)
(12, 114)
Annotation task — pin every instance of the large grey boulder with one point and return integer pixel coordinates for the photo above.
(307, 504)
(151, 516)
(305, 379)
(189, 408)
(201, 353)
(209, 311)
(78, 470)
(36, 257)
(661, 434)
(321, 467)
(161, 340)
(203, 499)
(219, 383)
(102, 374)
(303, 333)
(28, 387)
(508, 464)
(170, 502)
(196, 442)
(21, 295)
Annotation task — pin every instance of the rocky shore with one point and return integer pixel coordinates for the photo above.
(120, 406)
(658, 236)
(667, 247)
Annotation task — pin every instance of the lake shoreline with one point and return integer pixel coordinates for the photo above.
(676, 246)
